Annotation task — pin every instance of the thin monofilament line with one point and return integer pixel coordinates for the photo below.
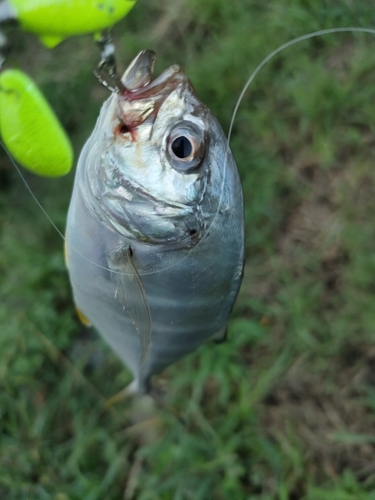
(263, 63)
(281, 48)
(48, 216)
(30, 190)
(260, 66)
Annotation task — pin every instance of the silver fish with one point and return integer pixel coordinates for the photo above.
(155, 238)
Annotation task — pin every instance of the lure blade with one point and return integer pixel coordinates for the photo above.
(30, 129)
(55, 20)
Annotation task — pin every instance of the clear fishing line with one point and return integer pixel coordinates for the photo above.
(237, 105)
(302, 38)
(34, 197)
(314, 34)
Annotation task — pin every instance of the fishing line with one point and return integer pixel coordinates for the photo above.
(280, 49)
(49, 218)
(250, 80)
(34, 197)
(264, 62)
(237, 105)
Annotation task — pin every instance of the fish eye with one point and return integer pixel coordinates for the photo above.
(186, 147)
(182, 147)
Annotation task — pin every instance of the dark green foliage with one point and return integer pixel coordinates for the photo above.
(283, 410)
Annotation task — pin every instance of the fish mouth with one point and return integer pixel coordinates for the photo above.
(143, 97)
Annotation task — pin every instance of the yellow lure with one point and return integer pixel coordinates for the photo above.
(29, 127)
(55, 20)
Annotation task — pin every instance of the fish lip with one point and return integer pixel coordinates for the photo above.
(170, 77)
(139, 72)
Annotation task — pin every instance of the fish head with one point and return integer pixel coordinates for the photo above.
(150, 163)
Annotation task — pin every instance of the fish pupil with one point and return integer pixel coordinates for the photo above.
(182, 147)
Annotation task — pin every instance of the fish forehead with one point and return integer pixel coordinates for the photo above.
(180, 105)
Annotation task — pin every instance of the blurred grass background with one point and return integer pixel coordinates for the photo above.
(286, 408)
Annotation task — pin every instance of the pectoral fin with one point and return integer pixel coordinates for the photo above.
(131, 295)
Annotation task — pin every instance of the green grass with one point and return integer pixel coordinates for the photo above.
(285, 410)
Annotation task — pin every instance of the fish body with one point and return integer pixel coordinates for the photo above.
(155, 242)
